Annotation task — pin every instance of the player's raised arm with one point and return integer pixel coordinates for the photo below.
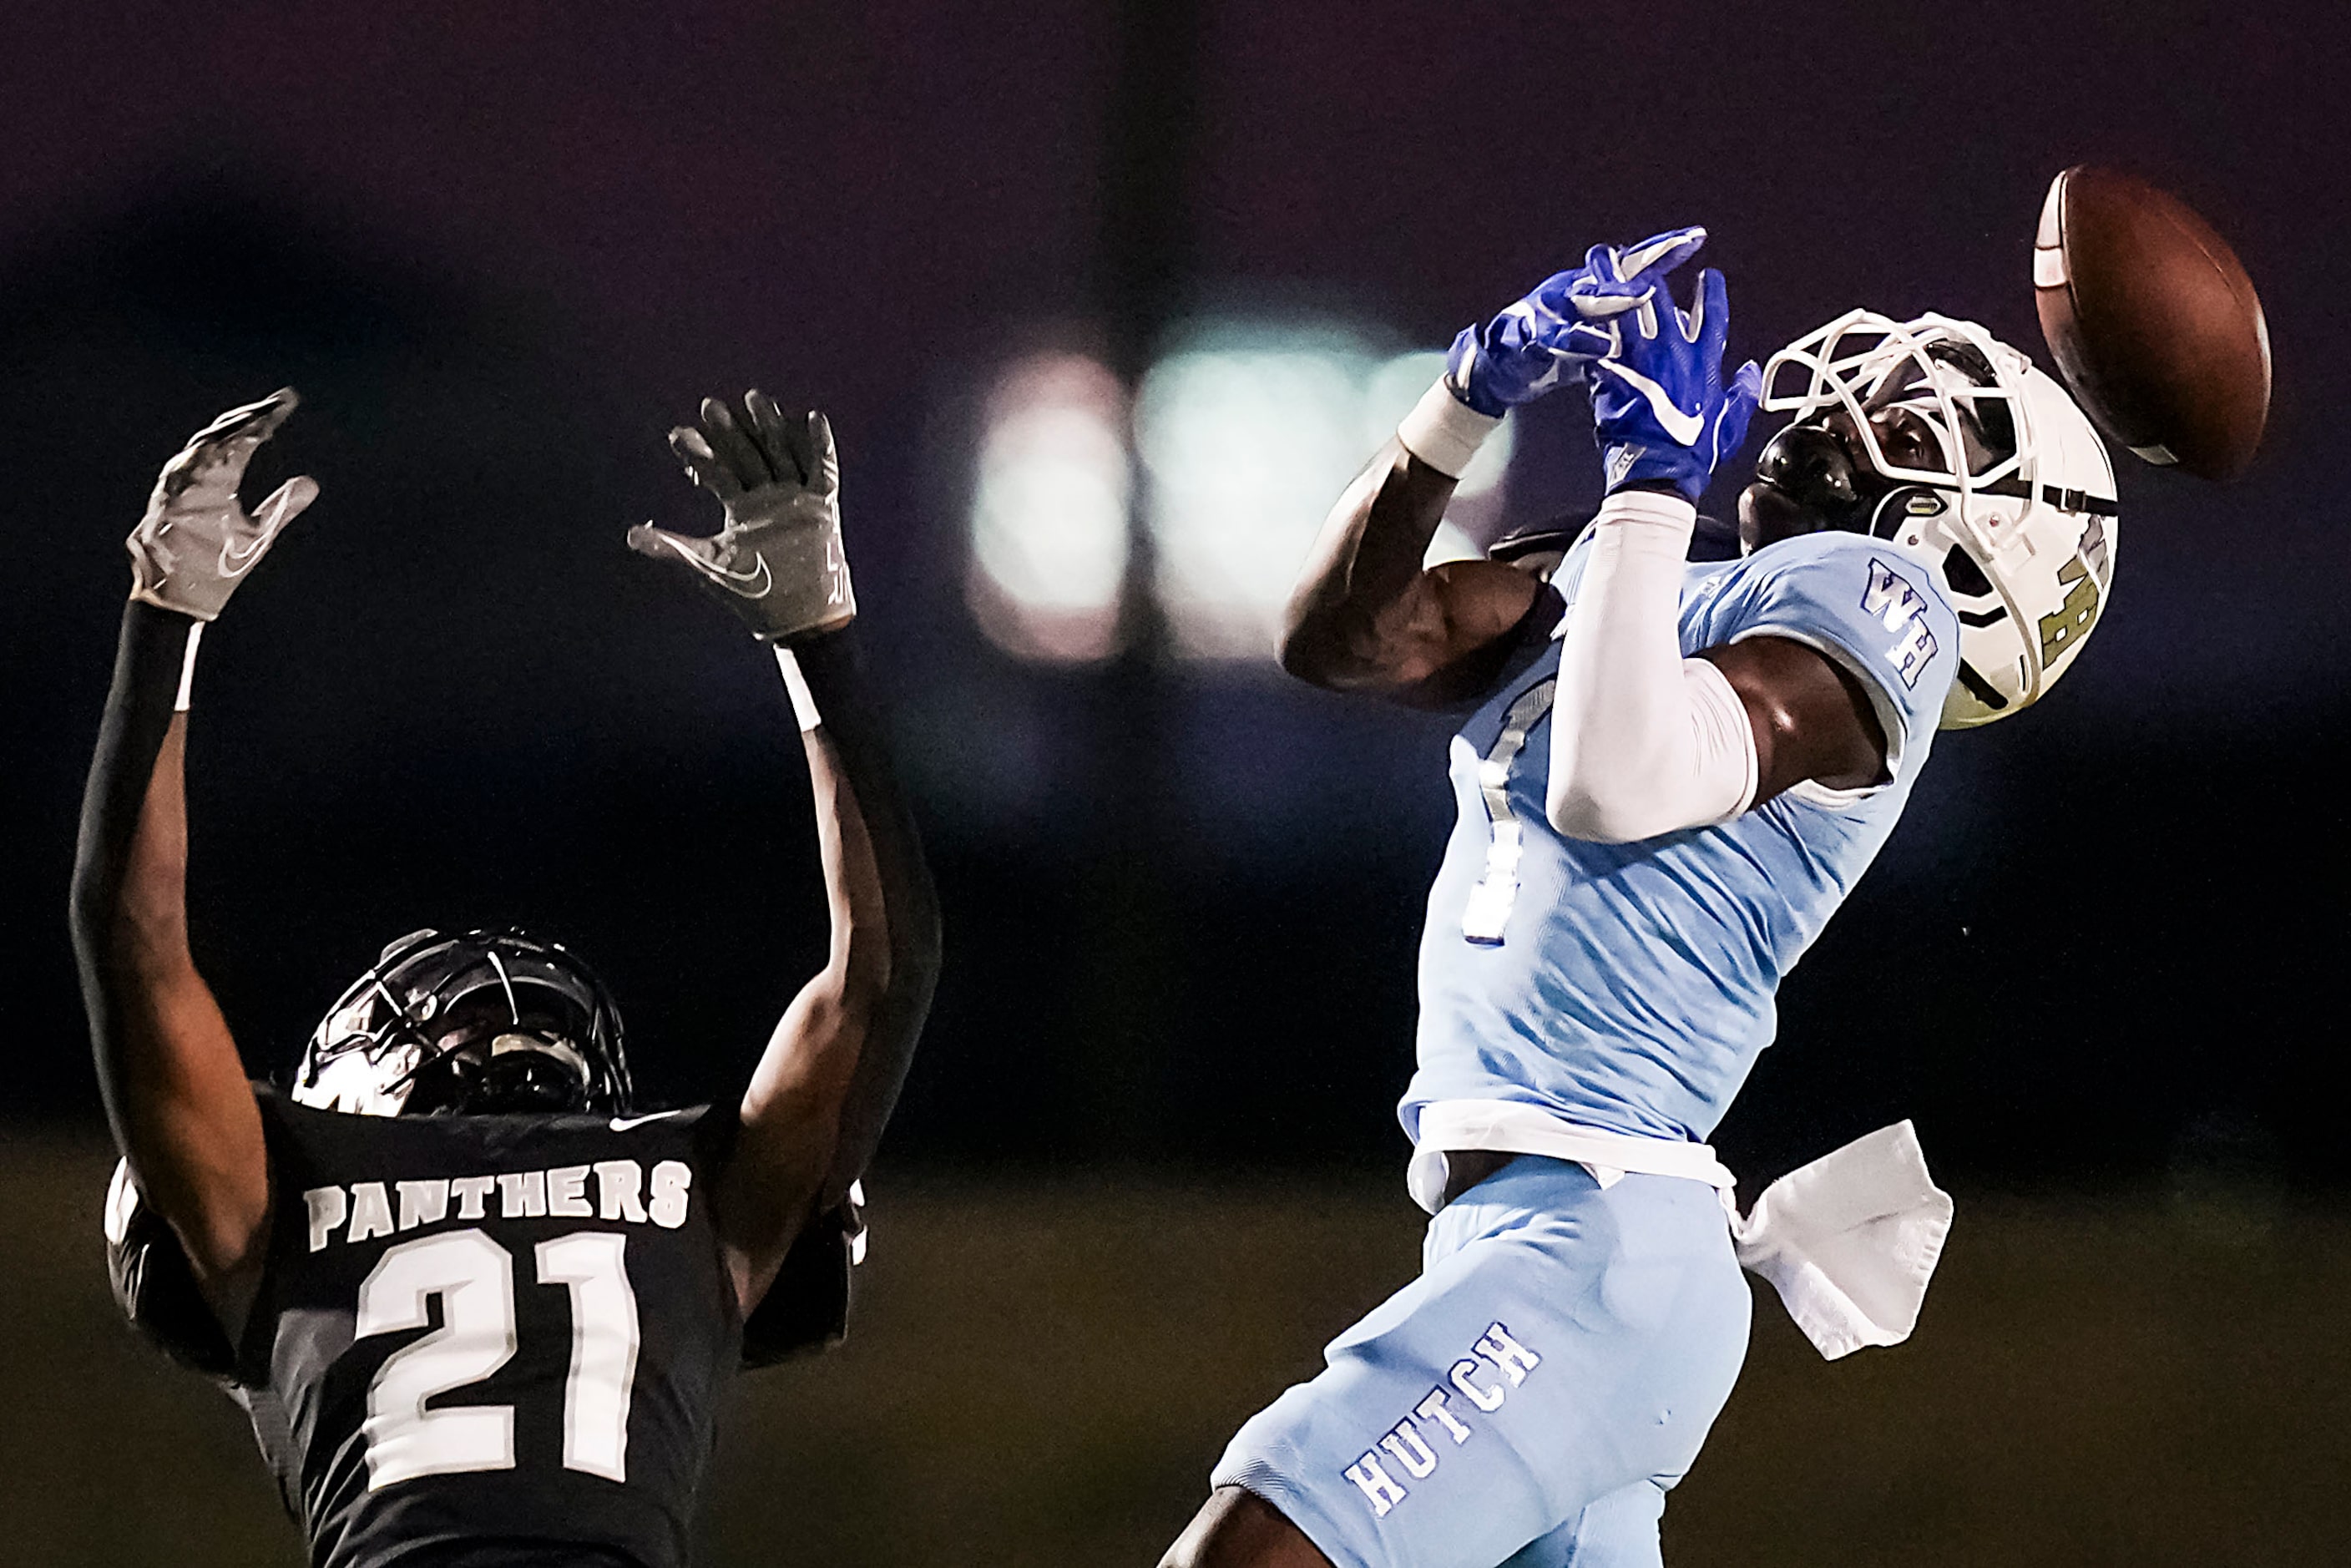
(1643, 740)
(176, 1092)
(1365, 616)
(821, 1093)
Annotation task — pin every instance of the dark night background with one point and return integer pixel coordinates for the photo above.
(500, 256)
(500, 250)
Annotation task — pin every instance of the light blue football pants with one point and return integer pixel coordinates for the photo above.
(1526, 1402)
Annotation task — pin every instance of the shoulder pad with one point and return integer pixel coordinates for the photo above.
(155, 1287)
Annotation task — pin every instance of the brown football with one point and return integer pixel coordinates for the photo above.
(2153, 322)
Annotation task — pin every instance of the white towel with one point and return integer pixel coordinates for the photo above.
(1850, 1241)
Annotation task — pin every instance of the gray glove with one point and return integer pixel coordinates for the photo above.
(776, 563)
(195, 544)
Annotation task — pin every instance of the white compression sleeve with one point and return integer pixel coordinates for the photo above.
(1643, 740)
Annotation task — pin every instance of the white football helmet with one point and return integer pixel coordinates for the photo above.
(2017, 510)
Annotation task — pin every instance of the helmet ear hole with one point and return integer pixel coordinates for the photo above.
(1966, 578)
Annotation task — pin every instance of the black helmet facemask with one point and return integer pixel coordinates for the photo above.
(482, 1023)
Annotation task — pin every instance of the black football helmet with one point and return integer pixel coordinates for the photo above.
(476, 1023)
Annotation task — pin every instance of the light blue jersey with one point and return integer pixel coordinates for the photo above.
(1630, 986)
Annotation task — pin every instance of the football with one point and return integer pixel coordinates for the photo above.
(2152, 321)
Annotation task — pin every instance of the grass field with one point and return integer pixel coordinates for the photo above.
(1043, 1370)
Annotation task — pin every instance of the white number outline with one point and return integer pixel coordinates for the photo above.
(1488, 908)
(474, 1276)
(604, 1342)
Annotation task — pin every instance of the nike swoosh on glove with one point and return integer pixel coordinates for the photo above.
(1530, 348)
(776, 562)
(197, 542)
(1661, 408)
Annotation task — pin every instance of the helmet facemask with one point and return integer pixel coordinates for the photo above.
(485, 1023)
(1881, 405)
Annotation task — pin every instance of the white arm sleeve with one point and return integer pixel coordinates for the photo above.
(1643, 740)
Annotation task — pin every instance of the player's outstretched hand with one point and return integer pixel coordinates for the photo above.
(1661, 408)
(197, 542)
(1527, 349)
(776, 562)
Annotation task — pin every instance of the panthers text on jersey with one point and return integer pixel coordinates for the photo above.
(1630, 986)
(472, 1329)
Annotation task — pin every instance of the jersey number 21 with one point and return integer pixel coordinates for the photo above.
(474, 1276)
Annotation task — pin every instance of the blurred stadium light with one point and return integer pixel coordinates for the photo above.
(1048, 510)
(1246, 434)
(1245, 438)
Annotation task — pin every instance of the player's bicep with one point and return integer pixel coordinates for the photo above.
(1812, 718)
(190, 1126)
(1450, 641)
(1479, 613)
(1855, 648)
(790, 1121)
(1408, 642)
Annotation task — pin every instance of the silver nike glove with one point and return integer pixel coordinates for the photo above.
(196, 542)
(778, 562)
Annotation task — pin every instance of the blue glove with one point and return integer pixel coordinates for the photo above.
(1660, 409)
(1523, 353)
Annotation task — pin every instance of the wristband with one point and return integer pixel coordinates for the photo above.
(188, 667)
(1444, 432)
(795, 683)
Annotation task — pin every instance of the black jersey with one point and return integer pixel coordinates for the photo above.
(474, 1329)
